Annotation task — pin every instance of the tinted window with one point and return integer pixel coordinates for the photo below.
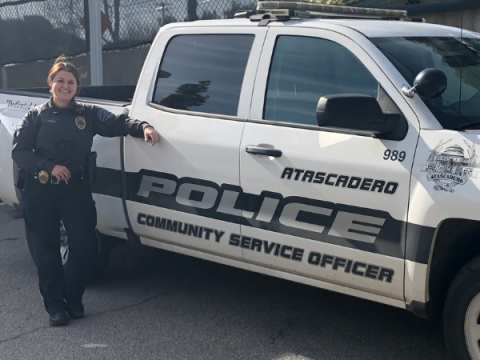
(305, 69)
(459, 59)
(203, 73)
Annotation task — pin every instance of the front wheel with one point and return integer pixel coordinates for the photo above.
(461, 317)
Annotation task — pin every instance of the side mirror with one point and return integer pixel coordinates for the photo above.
(429, 84)
(355, 114)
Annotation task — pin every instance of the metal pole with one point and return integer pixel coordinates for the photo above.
(163, 14)
(86, 14)
(96, 60)
(4, 78)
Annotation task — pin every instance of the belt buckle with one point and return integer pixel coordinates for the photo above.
(54, 180)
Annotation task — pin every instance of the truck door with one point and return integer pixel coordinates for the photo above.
(195, 89)
(324, 204)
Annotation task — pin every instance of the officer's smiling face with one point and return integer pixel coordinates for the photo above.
(63, 87)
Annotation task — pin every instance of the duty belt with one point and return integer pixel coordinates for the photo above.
(45, 178)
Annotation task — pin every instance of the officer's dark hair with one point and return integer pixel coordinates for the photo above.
(62, 64)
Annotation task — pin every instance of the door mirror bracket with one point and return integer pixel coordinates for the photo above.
(429, 84)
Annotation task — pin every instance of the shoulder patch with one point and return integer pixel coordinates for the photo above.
(40, 107)
(104, 115)
(24, 123)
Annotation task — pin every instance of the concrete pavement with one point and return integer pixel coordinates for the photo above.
(153, 304)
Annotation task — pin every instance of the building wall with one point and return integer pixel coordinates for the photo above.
(471, 19)
(3, 78)
(373, 3)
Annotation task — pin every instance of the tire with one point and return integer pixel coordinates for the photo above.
(461, 317)
(100, 263)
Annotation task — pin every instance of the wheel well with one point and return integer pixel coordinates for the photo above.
(106, 243)
(456, 242)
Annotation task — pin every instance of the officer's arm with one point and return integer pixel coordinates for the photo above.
(110, 125)
(23, 147)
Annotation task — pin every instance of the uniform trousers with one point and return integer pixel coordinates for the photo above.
(44, 207)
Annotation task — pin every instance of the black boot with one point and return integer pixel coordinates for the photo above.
(75, 311)
(58, 319)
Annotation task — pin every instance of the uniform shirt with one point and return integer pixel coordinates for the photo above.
(49, 135)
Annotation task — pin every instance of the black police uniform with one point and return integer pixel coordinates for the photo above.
(50, 136)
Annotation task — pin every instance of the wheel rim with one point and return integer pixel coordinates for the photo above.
(472, 328)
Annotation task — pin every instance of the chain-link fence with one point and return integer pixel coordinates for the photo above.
(37, 30)
(135, 22)
(33, 30)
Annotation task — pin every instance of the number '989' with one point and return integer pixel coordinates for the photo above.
(394, 155)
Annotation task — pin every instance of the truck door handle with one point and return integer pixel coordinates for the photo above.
(257, 150)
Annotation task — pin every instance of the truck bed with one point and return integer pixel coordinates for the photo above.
(101, 94)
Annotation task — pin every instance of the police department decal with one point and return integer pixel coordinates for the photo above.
(450, 165)
(81, 123)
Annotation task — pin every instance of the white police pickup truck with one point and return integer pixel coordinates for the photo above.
(338, 153)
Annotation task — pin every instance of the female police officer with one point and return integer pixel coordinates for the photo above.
(51, 146)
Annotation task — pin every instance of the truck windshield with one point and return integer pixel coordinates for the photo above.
(458, 58)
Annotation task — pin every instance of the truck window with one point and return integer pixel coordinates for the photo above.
(303, 70)
(203, 73)
(458, 58)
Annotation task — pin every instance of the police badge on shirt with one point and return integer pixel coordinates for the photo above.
(80, 122)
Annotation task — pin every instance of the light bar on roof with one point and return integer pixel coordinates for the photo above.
(314, 6)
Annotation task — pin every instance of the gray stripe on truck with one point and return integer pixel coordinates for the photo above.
(388, 238)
